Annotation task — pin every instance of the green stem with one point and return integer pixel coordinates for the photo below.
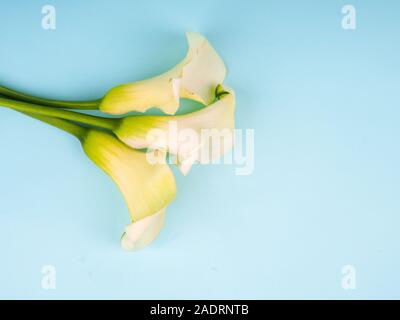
(105, 123)
(81, 105)
(65, 125)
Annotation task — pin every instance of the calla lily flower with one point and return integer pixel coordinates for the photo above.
(195, 77)
(147, 188)
(202, 136)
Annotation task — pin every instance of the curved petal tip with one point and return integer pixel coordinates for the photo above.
(142, 232)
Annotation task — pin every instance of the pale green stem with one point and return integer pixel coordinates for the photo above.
(65, 125)
(104, 123)
(80, 105)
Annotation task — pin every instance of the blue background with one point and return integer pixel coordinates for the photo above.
(324, 103)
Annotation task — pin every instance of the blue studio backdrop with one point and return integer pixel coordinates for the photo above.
(319, 215)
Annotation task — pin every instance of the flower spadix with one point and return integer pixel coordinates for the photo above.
(195, 77)
(201, 136)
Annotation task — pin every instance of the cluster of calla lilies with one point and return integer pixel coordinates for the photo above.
(121, 146)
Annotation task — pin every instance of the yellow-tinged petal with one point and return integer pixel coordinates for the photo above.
(141, 233)
(203, 136)
(195, 77)
(147, 188)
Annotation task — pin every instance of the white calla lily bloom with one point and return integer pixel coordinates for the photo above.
(202, 136)
(195, 77)
(147, 188)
